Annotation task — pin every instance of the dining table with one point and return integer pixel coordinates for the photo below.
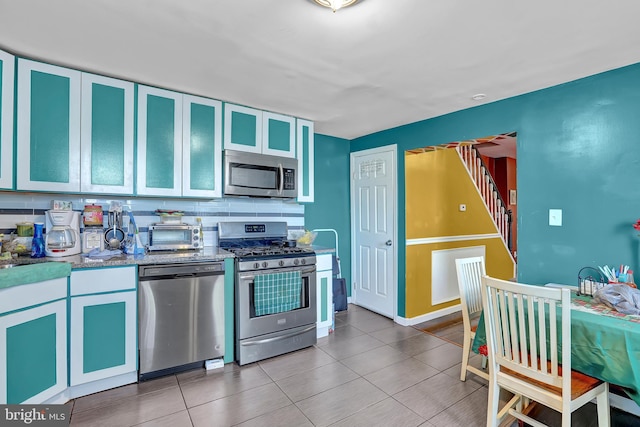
(605, 343)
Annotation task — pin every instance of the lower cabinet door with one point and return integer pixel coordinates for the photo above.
(103, 336)
(324, 299)
(33, 353)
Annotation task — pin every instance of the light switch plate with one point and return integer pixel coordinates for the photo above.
(555, 217)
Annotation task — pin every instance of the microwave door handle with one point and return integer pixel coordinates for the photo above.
(281, 184)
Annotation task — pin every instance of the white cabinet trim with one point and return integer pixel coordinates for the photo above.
(266, 116)
(77, 374)
(310, 172)
(186, 146)
(23, 296)
(59, 308)
(229, 109)
(85, 167)
(24, 132)
(143, 92)
(93, 281)
(6, 115)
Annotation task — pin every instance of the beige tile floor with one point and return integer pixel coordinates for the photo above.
(369, 372)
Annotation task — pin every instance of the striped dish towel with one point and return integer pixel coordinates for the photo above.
(277, 292)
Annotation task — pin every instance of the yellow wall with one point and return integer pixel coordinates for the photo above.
(436, 184)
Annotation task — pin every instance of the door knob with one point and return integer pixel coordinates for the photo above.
(388, 243)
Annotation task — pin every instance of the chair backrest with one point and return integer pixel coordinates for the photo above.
(470, 272)
(525, 327)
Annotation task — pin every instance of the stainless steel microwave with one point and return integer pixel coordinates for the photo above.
(259, 175)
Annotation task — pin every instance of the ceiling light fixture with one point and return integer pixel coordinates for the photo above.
(478, 96)
(335, 4)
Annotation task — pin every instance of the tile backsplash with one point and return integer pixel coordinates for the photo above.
(29, 207)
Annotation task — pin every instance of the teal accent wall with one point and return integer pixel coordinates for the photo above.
(31, 358)
(49, 127)
(160, 142)
(104, 335)
(331, 198)
(577, 150)
(107, 135)
(243, 128)
(279, 135)
(202, 140)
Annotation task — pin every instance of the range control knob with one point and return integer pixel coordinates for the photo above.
(265, 264)
(303, 261)
(296, 261)
(281, 263)
(256, 265)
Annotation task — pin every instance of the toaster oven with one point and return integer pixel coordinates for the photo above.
(174, 237)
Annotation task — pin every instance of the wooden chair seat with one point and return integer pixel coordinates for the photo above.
(580, 383)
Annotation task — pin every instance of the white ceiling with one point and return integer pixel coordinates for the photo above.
(369, 67)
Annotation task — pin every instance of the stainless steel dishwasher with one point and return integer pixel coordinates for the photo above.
(181, 316)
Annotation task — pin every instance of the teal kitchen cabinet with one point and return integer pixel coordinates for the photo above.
(75, 131)
(278, 134)
(179, 144)
(7, 75)
(106, 135)
(159, 142)
(304, 154)
(324, 295)
(48, 130)
(103, 329)
(254, 131)
(33, 337)
(201, 147)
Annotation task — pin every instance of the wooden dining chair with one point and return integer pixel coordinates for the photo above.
(470, 272)
(525, 324)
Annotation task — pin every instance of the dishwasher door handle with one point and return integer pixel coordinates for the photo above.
(185, 275)
(278, 338)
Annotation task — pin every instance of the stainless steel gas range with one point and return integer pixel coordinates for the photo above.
(275, 290)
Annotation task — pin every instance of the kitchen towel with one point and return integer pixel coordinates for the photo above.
(277, 292)
(33, 273)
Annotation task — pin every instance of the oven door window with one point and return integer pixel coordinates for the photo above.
(171, 236)
(278, 293)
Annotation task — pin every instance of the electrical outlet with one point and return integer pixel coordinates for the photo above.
(555, 217)
(463, 208)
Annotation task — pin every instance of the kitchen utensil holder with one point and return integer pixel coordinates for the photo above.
(588, 283)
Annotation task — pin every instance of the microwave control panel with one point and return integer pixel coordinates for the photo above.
(289, 179)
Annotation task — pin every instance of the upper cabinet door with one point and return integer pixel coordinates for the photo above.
(107, 135)
(159, 142)
(242, 128)
(201, 147)
(278, 134)
(7, 73)
(305, 160)
(48, 127)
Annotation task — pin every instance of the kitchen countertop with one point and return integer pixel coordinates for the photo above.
(80, 261)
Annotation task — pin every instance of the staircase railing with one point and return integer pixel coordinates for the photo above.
(488, 190)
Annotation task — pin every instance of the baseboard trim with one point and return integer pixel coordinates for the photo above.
(427, 316)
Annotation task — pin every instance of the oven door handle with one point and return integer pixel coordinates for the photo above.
(253, 274)
(278, 338)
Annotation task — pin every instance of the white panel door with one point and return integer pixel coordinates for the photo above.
(373, 205)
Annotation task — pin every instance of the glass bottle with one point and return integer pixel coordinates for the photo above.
(37, 243)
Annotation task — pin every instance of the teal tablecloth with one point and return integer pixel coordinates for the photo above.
(605, 344)
(33, 273)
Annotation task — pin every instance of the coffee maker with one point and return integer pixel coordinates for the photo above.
(62, 236)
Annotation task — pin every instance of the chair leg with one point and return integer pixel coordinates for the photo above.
(602, 401)
(493, 401)
(465, 357)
